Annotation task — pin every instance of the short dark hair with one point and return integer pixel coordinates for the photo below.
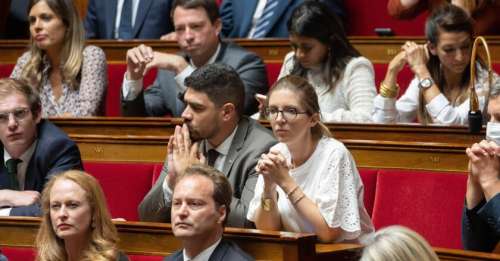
(220, 83)
(210, 7)
(222, 194)
(10, 85)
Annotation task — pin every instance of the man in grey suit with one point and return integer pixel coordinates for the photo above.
(214, 129)
(200, 206)
(197, 25)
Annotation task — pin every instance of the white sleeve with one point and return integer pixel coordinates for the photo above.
(255, 202)
(387, 110)
(5, 212)
(131, 88)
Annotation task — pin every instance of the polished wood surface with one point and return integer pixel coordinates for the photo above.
(410, 146)
(157, 239)
(142, 238)
(377, 49)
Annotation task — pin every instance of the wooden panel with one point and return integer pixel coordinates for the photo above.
(377, 49)
(157, 239)
(408, 146)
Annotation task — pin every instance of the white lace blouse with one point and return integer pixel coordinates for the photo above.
(352, 98)
(331, 180)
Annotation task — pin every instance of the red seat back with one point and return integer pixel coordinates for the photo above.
(124, 185)
(369, 178)
(427, 202)
(19, 253)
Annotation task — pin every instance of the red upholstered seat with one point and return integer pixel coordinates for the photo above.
(273, 71)
(6, 69)
(427, 202)
(124, 185)
(363, 16)
(115, 79)
(369, 178)
(19, 253)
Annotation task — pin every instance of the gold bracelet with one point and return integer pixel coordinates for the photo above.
(289, 194)
(388, 92)
(301, 196)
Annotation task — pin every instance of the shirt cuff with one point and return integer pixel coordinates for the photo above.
(179, 78)
(4, 212)
(384, 103)
(436, 105)
(131, 88)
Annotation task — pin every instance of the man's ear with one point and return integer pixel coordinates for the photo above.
(38, 115)
(228, 109)
(218, 26)
(223, 213)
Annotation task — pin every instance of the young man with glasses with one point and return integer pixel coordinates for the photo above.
(31, 149)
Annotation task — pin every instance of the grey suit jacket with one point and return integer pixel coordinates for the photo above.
(161, 98)
(250, 141)
(225, 250)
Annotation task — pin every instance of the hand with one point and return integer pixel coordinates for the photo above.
(172, 36)
(24, 198)
(274, 167)
(262, 100)
(397, 63)
(166, 61)
(417, 56)
(137, 59)
(181, 154)
(484, 162)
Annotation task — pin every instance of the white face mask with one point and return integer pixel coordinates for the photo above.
(493, 132)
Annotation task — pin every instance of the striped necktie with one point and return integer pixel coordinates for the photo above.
(125, 28)
(264, 23)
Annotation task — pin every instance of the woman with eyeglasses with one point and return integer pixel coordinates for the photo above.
(70, 77)
(308, 182)
(439, 92)
(343, 80)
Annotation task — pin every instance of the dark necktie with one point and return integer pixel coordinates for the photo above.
(125, 28)
(11, 165)
(264, 23)
(212, 156)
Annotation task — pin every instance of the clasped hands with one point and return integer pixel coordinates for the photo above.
(182, 153)
(142, 58)
(413, 54)
(275, 170)
(484, 162)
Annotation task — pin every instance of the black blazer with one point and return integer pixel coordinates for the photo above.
(226, 250)
(481, 225)
(54, 153)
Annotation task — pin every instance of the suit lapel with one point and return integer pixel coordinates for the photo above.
(219, 251)
(110, 17)
(236, 145)
(142, 12)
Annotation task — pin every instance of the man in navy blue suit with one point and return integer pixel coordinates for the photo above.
(147, 19)
(31, 150)
(247, 19)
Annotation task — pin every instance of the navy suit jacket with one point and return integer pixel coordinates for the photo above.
(481, 225)
(162, 97)
(152, 20)
(55, 152)
(237, 16)
(225, 250)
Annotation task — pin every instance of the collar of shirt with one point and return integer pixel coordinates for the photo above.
(211, 60)
(223, 148)
(204, 255)
(22, 166)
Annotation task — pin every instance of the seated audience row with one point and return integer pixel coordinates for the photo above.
(343, 80)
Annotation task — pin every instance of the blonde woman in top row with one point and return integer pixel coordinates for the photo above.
(70, 77)
(343, 80)
(439, 92)
(309, 181)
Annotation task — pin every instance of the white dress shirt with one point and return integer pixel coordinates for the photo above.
(259, 10)
(135, 6)
(204, 255)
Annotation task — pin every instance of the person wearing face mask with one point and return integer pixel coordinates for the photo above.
(481, 213)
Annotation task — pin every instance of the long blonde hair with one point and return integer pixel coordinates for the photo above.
(397, 243)
(71, 53)
(103, 238)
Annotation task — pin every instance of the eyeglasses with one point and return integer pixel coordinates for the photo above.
(288, 113)
(19, 115)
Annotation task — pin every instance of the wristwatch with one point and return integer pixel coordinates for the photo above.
(266, 204)
(425, 83)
